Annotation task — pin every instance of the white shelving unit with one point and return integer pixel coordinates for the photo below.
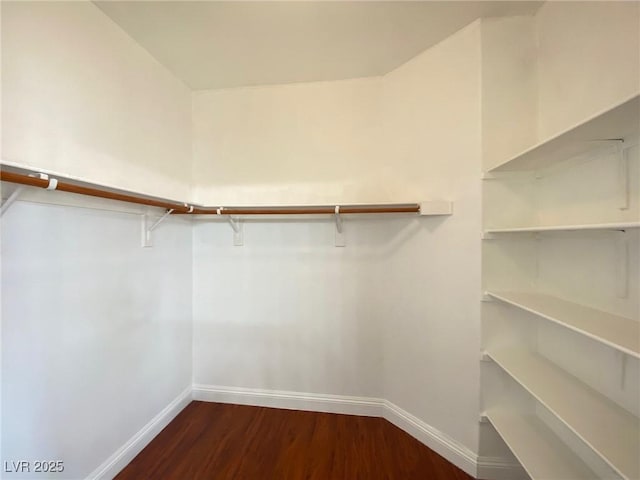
(529, 393)
(612, 432)
(618, 332)
(566, 228)
(616, 123)
(542, 454)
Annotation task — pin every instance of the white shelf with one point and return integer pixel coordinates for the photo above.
(542, 454)
(612, 432)
(618, 122)
(615, 331)
(566, 228)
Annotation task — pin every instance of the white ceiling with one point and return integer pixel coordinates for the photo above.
(210, 44)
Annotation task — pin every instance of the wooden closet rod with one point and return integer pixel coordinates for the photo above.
(403, 208)
(93, 192)
(184, 208)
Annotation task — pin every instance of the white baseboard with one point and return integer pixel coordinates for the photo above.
(116, 462)
(443, 445)
(363, 406)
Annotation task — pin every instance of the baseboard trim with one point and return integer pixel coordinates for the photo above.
(442, 444)
(363, 406)
(121, 458)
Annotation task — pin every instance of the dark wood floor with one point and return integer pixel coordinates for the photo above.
(217, 441)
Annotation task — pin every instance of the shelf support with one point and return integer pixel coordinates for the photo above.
(623, 369)
(12, 198)
(146, 230)
(622, 263)
(340, 240)
(236, 226)
(623, 175)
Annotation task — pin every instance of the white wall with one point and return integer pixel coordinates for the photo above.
(96, 331)
(80, 98)
(396, 312)
(588, 60)
(289, 310)
(288, 144)
(509, 88)
(432, 324)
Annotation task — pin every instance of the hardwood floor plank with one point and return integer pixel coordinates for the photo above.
(215, 441)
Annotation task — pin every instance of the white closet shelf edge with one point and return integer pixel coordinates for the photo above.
(566, 228)
(620, 333)
(618, 122)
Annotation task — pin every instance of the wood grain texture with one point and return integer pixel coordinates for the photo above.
(220, 441)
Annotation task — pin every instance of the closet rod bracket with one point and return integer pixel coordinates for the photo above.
(12, 198)
(147, 229)
(340, 239)
(236, 226)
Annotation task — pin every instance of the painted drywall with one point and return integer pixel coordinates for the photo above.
(588, 60)
(288, 144)
(401, 299)
(232, 44)
(81, 98)
(432, 312)
(509, 88)
(288, 310)
(96, 331)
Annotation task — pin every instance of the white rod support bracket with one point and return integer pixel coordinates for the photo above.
(623, 175)
(53, 182)
(340, 239)
(147, 229)
(238, 234)
(146, 233)
(12, 198)
(622, 264)
(160, 220)
(236, 225)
